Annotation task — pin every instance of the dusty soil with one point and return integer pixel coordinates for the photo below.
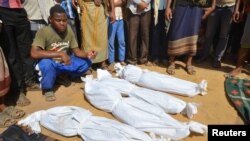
(213, 108)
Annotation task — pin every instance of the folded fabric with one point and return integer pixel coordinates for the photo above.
(161, 82)
(19, 133)
(162, 100)
(71, 121)
(139, 114)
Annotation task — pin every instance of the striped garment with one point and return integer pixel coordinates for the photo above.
(183, 31)
(4, 75)
(11, 3)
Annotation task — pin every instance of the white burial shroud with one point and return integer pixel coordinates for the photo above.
(71, 121)
(161, 82)
(162, 100)
(139, 114)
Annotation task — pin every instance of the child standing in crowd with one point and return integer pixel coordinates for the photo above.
(116, 31)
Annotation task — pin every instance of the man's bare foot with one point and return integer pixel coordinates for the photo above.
(234, 72)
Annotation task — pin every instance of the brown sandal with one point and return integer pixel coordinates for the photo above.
(191, 70)
(13, 112)
(171, 69)
(6, 120)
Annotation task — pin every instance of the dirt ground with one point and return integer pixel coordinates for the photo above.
(213, 108)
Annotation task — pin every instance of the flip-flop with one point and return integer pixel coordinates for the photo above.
(191, 70)
(14, 112)
(49, 96)
(22, 100)
(6, 120)
(171, 69)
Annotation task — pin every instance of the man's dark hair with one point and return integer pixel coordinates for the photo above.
(56, 9)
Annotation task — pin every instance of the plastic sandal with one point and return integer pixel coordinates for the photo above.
(191, 70)
(14, 112)
(49, 96)
(6, 120)
(171, 69)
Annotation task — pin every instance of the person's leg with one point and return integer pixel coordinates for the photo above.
(225, 24)
(171, 65)
(155, 39)
(121, 40)
(112, 30)
(212, 24)
(243, 54)
(47, 76)
(144, 33)
(47, 73)
(24, 41)
(189, 66)
(77, 67)
(133, 28)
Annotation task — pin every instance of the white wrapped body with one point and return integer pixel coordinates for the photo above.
(71, 121)
(138, 113)
(162, 100)
(161, 82)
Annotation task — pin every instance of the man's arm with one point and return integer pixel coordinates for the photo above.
(38, 53)
(168, 11)
(82, 54)
(112, 8)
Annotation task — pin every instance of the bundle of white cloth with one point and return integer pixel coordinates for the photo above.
(71, 121)
(139, 114)
(162, 100)
(161, 82)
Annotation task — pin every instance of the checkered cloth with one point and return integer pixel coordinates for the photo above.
(238, 93)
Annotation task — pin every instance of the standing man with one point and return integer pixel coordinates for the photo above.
(94, 22)
(139, 16)
(17, 39)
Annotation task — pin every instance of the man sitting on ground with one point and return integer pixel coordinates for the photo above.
(56, 49)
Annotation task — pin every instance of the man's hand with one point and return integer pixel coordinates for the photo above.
(142, 6)
(98, 2)
(65, 57)
(237, 16)
(112, 16)
(208, 11)
(74, 3)
(91, 54)
(168, 14)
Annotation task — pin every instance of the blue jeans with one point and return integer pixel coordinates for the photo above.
(220, 18)
(116, 30)
(48, 70)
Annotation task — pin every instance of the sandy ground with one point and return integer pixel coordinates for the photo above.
(213, 108)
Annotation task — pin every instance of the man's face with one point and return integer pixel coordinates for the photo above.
(59, 22)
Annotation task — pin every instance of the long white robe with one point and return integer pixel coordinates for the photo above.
(161, 82)
(138, 113)
(71, 121)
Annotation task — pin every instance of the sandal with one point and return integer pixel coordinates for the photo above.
(13, 112)
(49, 96)
(6, 120)
(171, 69)
(22, 100)
(191, 70)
